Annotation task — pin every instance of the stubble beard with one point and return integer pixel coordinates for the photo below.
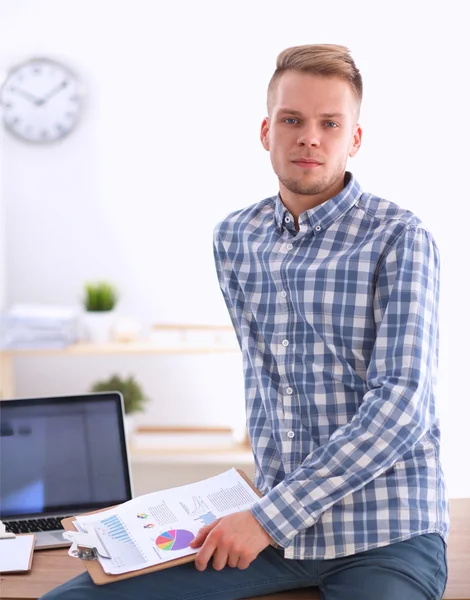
(304, 188)
(311, 188)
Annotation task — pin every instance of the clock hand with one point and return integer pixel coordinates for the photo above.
(53, 92)
(27, 95)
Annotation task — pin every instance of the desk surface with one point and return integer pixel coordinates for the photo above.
(53, 567)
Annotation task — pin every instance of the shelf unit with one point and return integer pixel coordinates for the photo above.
(173, 466)
(7, 357)
(175, 339)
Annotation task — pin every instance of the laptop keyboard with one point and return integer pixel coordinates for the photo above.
(35, 525)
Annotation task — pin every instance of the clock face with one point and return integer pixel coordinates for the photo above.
(41, 101)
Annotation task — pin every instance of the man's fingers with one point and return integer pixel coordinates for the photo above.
(236, 542)
(245, 561)
(204, 554)
(233, 559)
(202, 534)
(219, 559)
(198, 540)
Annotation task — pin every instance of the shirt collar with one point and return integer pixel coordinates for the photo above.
(322, 216)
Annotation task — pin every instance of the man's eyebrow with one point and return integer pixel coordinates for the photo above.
(297, 113)
(290, 111)
(335, 115)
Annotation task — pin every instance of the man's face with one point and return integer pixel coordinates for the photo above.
(310, 131)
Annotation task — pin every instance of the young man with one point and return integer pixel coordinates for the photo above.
(333, 294)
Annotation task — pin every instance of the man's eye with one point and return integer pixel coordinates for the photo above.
(331, 124)
(290, 121)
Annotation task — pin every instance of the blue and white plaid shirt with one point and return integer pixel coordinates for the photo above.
(338, 325)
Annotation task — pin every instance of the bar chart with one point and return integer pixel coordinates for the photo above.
(118, 542)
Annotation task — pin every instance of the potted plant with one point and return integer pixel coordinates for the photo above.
(132, 392)
(99, 303)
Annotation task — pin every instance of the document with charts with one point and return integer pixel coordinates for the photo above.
(158, 527)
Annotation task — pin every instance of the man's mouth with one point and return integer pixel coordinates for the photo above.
(307, 163)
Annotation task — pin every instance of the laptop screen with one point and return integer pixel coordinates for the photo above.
(62, 455)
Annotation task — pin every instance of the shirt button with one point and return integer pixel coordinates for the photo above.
(283, 294)
(289, 246)
(318, 228)
(290, 434)
(285, 342)
(287, 220)
(289, 390)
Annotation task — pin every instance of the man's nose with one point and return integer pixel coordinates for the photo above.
(309, 136)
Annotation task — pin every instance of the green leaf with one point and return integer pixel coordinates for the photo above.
(133, 394)
(100, 296)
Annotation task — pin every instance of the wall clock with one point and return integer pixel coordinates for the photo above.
(41, 100)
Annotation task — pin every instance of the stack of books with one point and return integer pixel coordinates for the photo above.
(33, 326)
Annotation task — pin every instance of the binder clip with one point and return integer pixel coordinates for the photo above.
(87, 546)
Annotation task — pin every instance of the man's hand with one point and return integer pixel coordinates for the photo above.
(234, 540)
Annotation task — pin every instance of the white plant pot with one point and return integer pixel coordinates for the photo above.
(98, 326)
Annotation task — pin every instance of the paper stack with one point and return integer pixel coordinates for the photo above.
(30, 326)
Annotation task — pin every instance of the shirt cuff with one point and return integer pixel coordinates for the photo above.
(281, 515)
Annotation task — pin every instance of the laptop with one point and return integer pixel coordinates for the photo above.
(60, 456)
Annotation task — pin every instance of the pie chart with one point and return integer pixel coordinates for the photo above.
(174, 539)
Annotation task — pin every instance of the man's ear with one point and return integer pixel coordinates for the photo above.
(263, 136)
(356, 141)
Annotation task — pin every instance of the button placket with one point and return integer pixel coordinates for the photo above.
(284, 352)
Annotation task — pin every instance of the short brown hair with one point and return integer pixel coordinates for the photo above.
(319, 59)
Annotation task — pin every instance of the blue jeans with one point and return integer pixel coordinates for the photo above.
(415, 569)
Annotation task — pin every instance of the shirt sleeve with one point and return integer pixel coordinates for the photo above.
(398, 407)
(228, 284)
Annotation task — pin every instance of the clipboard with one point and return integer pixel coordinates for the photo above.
(95, 569)
(12, 547)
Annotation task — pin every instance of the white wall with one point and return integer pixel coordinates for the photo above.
(2, 242)
(168, 144)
